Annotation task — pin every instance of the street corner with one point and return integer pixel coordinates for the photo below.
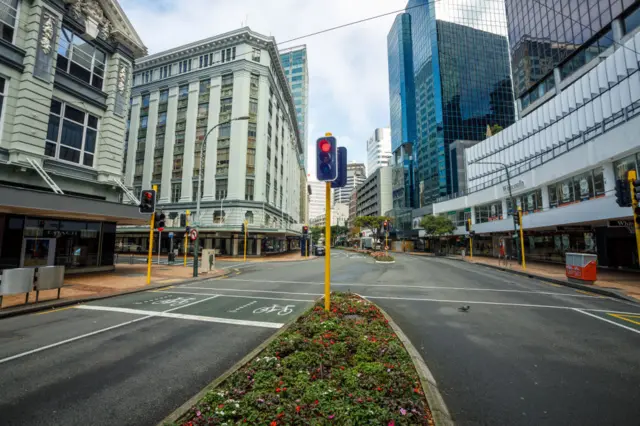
(248, 309)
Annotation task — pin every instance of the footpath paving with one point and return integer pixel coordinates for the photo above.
(125, 279)
(625, 282)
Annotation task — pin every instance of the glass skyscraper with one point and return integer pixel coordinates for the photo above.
(294, 61)
(402, 105)
(562, 35)
(462, 83)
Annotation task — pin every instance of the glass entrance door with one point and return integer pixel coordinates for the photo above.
(38, 252)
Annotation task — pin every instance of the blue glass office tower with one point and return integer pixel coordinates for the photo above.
(462, 83)
(294, 61)
(402, 111)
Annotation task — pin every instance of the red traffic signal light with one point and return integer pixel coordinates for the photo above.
(148, 201)
(326, 159)
(305, 230)
(325, 145)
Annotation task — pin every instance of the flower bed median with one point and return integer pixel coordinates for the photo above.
(381, 256)
(344, 367)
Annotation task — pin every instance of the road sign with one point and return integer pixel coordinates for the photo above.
(193, 234)
(170, 234)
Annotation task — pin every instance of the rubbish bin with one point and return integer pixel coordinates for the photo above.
(581, 267)
(172, 257)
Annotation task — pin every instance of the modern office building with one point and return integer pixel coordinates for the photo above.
(378, 150)
(296, 69)
(462, 82)
(374, 195)
(356, 174)
(317, 199)
(566, 153)
(226, 96)
(402, 108)
(65, 73)
(549, 42)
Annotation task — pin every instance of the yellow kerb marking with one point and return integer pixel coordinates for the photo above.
(55, 310)
(626, 317)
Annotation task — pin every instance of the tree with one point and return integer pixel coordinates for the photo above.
(495, 129)
(437, 226)
(338, 231)
(316, 233)
(372, 223)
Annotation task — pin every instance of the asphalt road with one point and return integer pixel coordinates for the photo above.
(525, 353)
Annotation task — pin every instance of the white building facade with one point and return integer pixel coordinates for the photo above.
(356, 174)
(251, 167)
(564, 157)
(375, 196)
(317, 199)
(378, 150)
(339, 216)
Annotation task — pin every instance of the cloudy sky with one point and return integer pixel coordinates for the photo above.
(347, 67)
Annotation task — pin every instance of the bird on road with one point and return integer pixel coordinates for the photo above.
(464, 308)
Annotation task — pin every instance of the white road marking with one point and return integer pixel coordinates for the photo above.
(551, 293)
(240, 296)
(251, 291)
(93, 333)
(181, 316)
(607, 320)
(472, 302)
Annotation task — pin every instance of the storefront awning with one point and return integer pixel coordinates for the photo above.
(48, 204)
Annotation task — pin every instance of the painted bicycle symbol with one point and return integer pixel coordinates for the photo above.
(281, 310)
(173, 302)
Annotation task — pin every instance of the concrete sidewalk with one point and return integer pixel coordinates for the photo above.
(623, 282)
(125, 279)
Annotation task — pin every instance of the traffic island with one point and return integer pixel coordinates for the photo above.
(382, 257)
(346, 366)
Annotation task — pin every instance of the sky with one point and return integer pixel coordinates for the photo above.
(348, 78)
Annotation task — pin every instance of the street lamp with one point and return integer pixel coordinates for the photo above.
(202, 150)
(513, 202)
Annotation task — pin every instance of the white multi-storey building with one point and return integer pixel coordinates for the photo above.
(234, 87)
(378, 150)
(564, 157)
(317, 199)
(356, 174)
(339, 216)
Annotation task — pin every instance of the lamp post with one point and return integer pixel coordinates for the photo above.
(202, 151)
(196, 243)
(513, 202)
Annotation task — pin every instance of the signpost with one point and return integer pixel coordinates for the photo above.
(186, 243)
(151, 227)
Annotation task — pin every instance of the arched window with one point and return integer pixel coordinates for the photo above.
(267, 219)
(248, 216)
(218, 216)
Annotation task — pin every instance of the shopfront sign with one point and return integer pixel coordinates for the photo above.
(574, 228)
(515, 186)
(623, 224)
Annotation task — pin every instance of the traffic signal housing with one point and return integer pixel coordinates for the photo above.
(243, 229)
(341, 179)
(183, 220)
(516, 218)
(468, 225)
(326, 159)
(160, 221)
(385, 225)
(636, 190)
(305, 230)
(148, 201)
(623, 193)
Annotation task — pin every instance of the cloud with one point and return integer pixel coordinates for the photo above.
(347, 68)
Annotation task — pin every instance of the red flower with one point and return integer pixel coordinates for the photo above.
(277, 389)
(280, 415)
(297, 408)
(316, 402)
(379, 388)
(221, 406)
(274, 423)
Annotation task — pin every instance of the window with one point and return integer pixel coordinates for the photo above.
(251, 161)
(223, 162)
(296, 78)
(248, 190)
(221, 188)
(576, 189)
(2, 95)
(228, 54)
(255, 84)
(253, 109)
(268, 194)
(176, 192)
(224, 131)
(165, 71)
(183, 91)
(164, 96)
(205, 86)
(204, 61)
(225, 105)
(252, 132)
(148, 76)
(80, 59)
(203, 111)
(530, 202)
(162, 119)
(8, 17)
(623, 166)
(184, 66)
(489, 212)
(71, 135)
(227, 80)
(177, 166)
(256, 55)
(144, 121)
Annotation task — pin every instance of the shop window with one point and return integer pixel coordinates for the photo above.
(576, 189)
(489, 212)
(623, 166)
(530, 202)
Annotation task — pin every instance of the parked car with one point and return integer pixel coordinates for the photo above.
(318, 250)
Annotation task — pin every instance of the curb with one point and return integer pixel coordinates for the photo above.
(615, 294)
(591, 289)
(177, 414)
(387, 263)
(438, 407)
(30, 309)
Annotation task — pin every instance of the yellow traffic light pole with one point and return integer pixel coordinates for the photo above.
(632, 176)
(186, 237)
(306, 242)
(524, 263)
(327, 253)
(150, 254)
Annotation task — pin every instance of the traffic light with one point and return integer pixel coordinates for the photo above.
(326, 150)
(636, 190)
(305, 230)
(242, 228)
(468, 225)
(341, 179)
(623, 193)
(183, 220)
(385, 225)
(148, 201)
(516, 218)
(159, 221)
